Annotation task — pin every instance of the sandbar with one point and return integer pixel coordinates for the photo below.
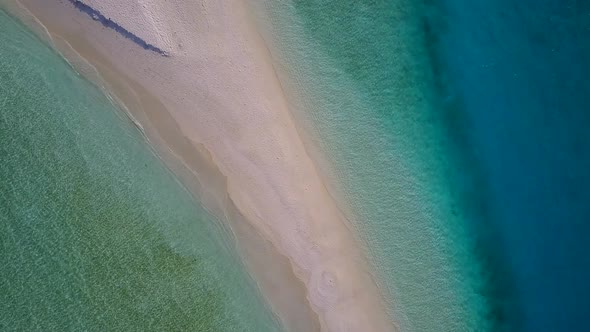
(220, 100)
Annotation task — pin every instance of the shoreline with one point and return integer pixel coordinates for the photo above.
(325, 255)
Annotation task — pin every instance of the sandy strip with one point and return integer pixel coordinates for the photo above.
(221, 96)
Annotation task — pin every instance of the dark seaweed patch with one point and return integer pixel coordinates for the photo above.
(107, 22)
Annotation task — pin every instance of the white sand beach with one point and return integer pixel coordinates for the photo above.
(220, 93)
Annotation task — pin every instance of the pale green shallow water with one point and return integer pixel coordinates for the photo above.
(360, 81)
(95, 233)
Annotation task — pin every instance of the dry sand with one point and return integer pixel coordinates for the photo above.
(216, 105)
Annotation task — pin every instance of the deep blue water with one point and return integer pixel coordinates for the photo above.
(515, 79)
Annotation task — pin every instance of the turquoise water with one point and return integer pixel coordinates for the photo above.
(369, 96)
(95, 233)
(459, 132)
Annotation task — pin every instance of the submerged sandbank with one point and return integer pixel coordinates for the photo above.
(224, 104)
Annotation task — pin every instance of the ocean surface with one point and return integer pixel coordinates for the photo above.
(459, 134)
(95, 233)
(517, 75)
(359, 80)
